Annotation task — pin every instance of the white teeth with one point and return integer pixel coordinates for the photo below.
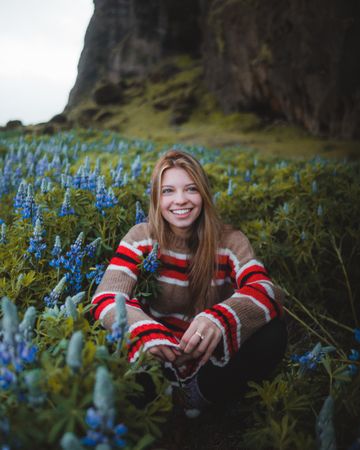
(181, 211)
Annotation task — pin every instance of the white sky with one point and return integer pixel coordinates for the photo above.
(40, 46)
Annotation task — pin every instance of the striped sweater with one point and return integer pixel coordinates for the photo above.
(246, 297)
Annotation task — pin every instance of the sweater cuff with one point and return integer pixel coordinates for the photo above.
(229, 323)
(145, 334)
(103, 303)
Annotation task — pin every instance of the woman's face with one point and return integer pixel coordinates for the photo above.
(180, 200)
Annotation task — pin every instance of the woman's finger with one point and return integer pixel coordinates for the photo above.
(210, 350)
(188, 335)
(169, 355)
(204, 344)
(156, 352)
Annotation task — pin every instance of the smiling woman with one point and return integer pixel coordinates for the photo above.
(217, 320)
(40, 46)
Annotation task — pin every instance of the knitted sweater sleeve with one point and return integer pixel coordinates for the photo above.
(255, 301)
(121, 277)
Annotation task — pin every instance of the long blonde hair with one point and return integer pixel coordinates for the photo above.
(204, 238)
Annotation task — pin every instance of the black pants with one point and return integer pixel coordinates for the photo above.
(255, 360)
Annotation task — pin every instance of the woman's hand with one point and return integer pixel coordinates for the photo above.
(164, 353)
(199, 340)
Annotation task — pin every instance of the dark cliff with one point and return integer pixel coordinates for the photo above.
(296, 60)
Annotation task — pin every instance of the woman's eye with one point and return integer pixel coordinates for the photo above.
(193, 189)
(165, 191)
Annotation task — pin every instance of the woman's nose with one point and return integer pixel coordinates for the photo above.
(180, 197)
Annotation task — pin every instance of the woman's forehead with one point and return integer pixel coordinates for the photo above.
(176, 174)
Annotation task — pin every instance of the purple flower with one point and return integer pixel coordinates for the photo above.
(66, 208)
(56, 253)
(140, 215)
(151, 262)
(357, 334)
(354, 355)
(37, 246)
(7, 378)
(96, 274)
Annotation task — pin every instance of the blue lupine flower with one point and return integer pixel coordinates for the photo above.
(29, 203)
(96, 273)
(297, 177)
(285, 208)
(90, 249)
(20, 196)
(72, 262)
(44, 188)
(314, 187)
(93, 419)
(15, 345)
(33, 379)
(120, 325)
(357, 334)
(3, 239)
(111, 200)
(325, 426)
(66, 181)
(52, 299)
(101, 195)
(230, 188)
(74, 351)
(354, 355)
(311, 359)
(136, 168)
(140, 215)
(303, 236)
(148, 189)
(320, 211)
(151, 262)
(7, 378)
(66, 208)
(38, 215)
(353, 369)
(56, 253)
(37, 246)
(247, 176)
(101, 418)
(216, 197)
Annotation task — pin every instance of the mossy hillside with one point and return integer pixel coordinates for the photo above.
(206, 124)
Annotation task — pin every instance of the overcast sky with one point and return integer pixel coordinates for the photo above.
(40, 46)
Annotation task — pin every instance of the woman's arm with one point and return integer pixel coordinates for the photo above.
(121, 275)
(256, 301)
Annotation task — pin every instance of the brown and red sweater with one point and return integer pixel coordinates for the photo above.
(246, 297)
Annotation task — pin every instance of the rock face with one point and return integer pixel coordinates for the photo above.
(126, 38)
(295, 60)
(299, 60)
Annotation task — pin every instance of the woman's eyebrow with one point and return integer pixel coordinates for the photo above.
(170, 185)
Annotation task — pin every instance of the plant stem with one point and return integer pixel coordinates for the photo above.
(310, 329)
(341, 325)
(347, 283)
(298, 302)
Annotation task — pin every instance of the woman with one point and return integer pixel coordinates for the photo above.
(216, 323)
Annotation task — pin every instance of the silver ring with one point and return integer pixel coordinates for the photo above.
(200, 335)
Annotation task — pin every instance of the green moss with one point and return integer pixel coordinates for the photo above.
(208, 125)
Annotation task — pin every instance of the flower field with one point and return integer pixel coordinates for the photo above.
(66, 201)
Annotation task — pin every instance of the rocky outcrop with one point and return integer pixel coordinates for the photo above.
(296, 60)
(127, 38)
